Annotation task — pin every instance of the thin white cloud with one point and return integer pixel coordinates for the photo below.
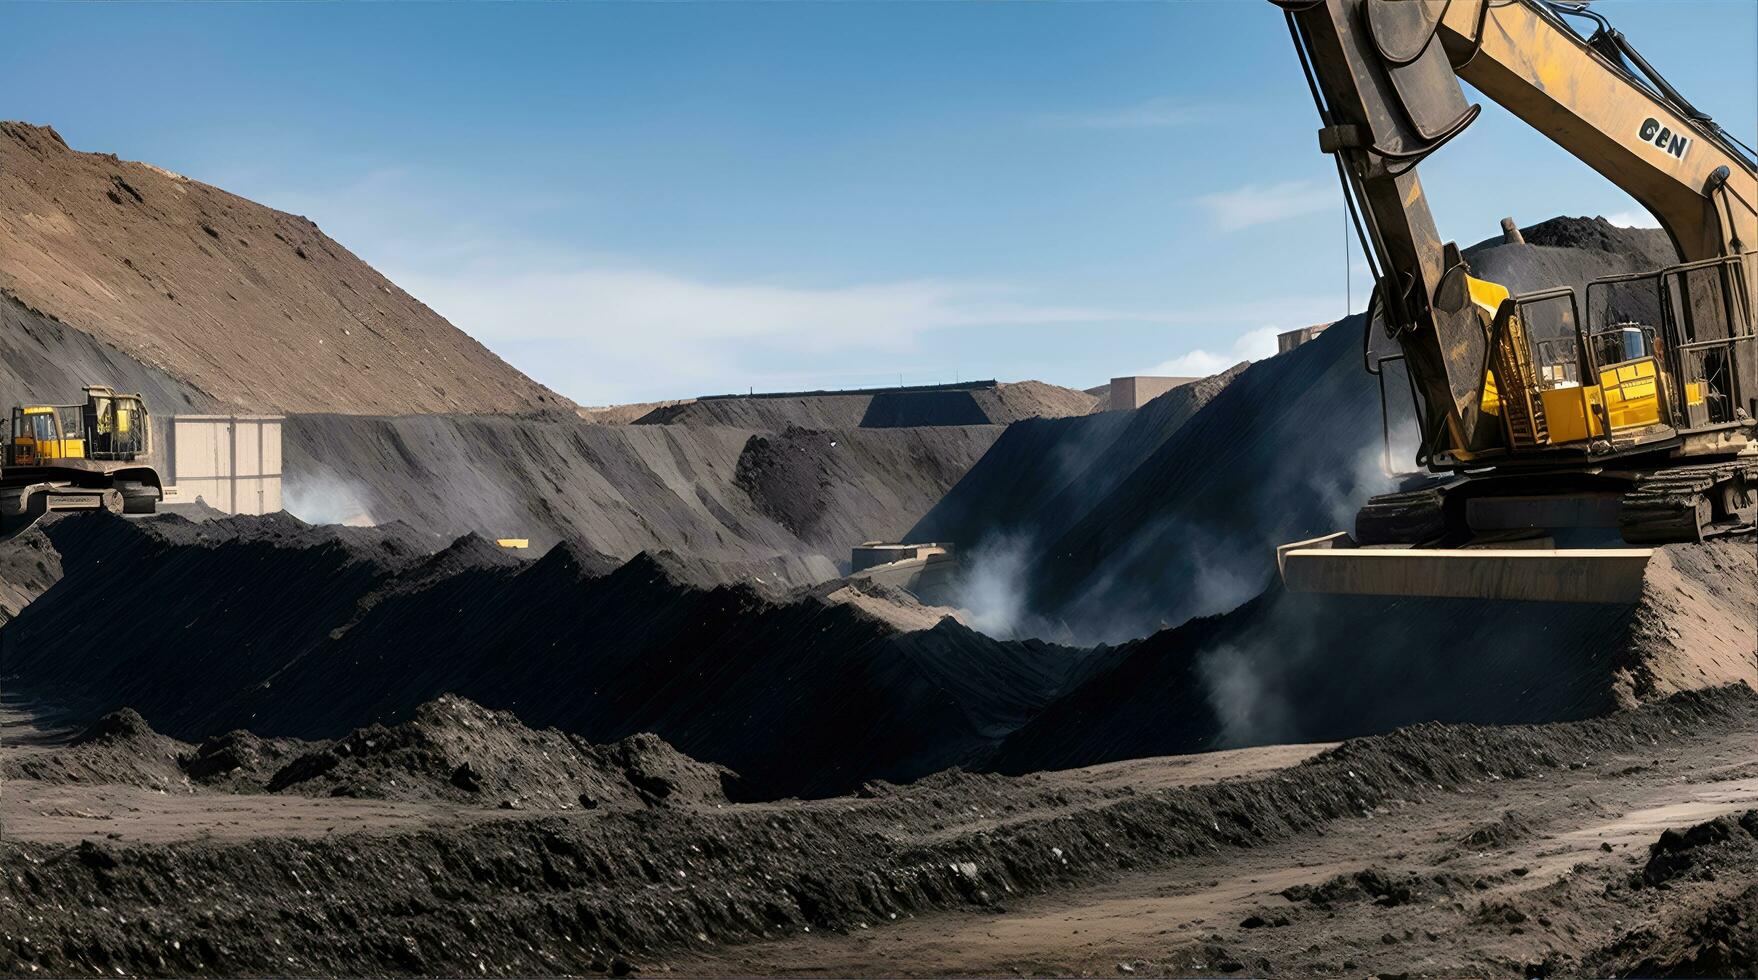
(1151, 114)
(1261, 204)
(1633, 219)
(631, 307)
(603, 328)
(1252, 345)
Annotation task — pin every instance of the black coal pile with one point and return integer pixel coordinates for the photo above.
(285, 630)
(1099, 538)
(1292, 668)
(825, 488)
(458, 751)
(451, 750)
(1058, 468)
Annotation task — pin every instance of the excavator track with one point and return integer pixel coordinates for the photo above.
(1688, 503)
(23, 506)
(1691, 503)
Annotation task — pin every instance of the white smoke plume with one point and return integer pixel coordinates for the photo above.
(992, 585)
(325, 498)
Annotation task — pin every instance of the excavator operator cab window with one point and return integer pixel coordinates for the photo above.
(1623, 343)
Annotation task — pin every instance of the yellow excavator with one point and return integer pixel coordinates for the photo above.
(1625, 410)
(98, 455)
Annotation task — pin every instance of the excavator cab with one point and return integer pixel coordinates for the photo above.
(45, 434)
(108, 427)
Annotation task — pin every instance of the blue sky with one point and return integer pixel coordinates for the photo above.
(633, 202)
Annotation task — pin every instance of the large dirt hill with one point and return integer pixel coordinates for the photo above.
(223, 294)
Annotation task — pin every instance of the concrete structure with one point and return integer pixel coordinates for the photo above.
(1291, 339)
(1137, 390)
(1531, 570)
(927, 570)
(229, 462)
(871, 554)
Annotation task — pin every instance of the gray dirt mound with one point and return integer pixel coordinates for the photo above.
(818, 484)
(239, 760)
(1383, 888)
(1718, 941)
(119, 748)
(621, 490)
(1718, 938)
(210, 288)
(453, 749)
(1695, 851)
(1507, 829)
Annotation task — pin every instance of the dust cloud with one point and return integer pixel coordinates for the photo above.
(325, 498)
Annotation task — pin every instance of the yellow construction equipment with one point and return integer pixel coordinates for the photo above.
(79, 457)
(1626, 410)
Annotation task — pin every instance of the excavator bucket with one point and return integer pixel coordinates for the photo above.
(1523, 570)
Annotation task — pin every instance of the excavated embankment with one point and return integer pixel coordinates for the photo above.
(804, 497)
(601, 891)
(286, 630)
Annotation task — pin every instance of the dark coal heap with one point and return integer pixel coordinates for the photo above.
(311, 632)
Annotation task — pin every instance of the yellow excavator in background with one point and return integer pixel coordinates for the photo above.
(98, 455)
(1626, 410)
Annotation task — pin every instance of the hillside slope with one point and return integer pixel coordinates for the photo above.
(256, 308)
(710, 491)
(967, 403)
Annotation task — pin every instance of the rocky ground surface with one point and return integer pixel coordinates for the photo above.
(1615, 845)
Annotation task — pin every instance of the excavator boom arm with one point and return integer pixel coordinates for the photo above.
(1385, 75)
(1522, 55)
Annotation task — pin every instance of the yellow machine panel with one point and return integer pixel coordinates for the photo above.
(61, 449)
(1570, 414)
(1632, 393)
